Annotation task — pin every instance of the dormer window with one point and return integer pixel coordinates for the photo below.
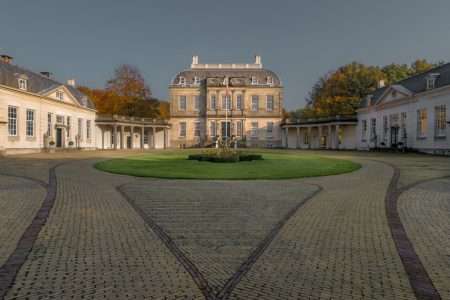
(431, 80)
(196, 80)
(254, 80)
(431, 83)
(182, 81)
(60, 95)
(269, 80)
(22, 84)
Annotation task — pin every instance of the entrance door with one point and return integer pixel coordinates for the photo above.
(394, 136)
(58, 137)
(226, 129)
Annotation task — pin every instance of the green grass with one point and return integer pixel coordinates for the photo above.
(276, 165)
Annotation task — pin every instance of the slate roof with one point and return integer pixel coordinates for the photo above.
(260, 74)
(415, 84)
(37, 83)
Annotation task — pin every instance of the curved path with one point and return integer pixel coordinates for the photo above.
(118, 237)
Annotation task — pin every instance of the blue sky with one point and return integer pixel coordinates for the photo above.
(300, 40)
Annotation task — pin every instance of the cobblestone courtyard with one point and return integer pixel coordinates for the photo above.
(69, 231)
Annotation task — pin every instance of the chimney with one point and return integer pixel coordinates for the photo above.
(381, 84)
(195, 60)
(46, 74)
(257, 59)
(71, 82)
(6, 58)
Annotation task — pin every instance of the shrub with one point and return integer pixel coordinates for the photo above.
(224, 156)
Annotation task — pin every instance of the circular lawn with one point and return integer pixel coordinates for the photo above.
(275, 165)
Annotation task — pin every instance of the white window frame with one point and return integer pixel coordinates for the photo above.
(182, 81)
(13, 113)
(269, 80)
(254, 131)
(239, 128)
(88, 129)
(255, 103)
(254, 80)
(182, 99)
(197, 102)
(239, 102)
(440, 112)
(269, 130)
(23, 84)
(196, 80)
(60, 95)
(431, 83)
(80, 128)
(30, 123)
(385, 128)
(422, 123)
(363, 130)
(270, 98)
(197, 130)
(182, 129)
(69, 124)
(213, 128)
(49, 124)
(226, 102)
(213, 102)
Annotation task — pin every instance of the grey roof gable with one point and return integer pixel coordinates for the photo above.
(37, 83)
(416, 84)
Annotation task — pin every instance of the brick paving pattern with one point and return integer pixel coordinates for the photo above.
(425, 212)
(337, 245)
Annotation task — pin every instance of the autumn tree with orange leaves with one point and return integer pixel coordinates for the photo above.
(126, 93)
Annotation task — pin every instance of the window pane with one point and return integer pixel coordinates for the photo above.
(12, 120)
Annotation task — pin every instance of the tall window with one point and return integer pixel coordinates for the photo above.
(306, 139)
(69, 124)
(403, 117)
(88, 129)
(182, 129)
(363, 130)
(385, 128)
(182, 80)
(213, 102)
(213, 128)
(239, 128)
(255, 103)
(269, 129)
(226, 102)
(239, 102)
(23, 84)
(269, 104)
(59, 95)
(197, 102)
(49, 124)
(254, 132)
(197, 129)
(182, 103)
(80, 128)
(422, 120)
(440, 120)
(373, 129)
(12, 120)
(30, 123)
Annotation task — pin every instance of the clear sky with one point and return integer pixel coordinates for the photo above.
(299, 39)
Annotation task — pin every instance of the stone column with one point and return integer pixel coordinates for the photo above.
(132, 137)
(309, 137)
(122, 137)
(329, 139)
(165, 138)
(298, 138)
(142, 136)
(103, 137)
(153, 137)
(336, 138)
(115, 136)
(320, 136)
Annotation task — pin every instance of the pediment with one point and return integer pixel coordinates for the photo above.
(394, 92)
(67, 98)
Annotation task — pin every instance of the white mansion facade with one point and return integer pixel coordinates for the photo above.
(410, 114)
(38, 112)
